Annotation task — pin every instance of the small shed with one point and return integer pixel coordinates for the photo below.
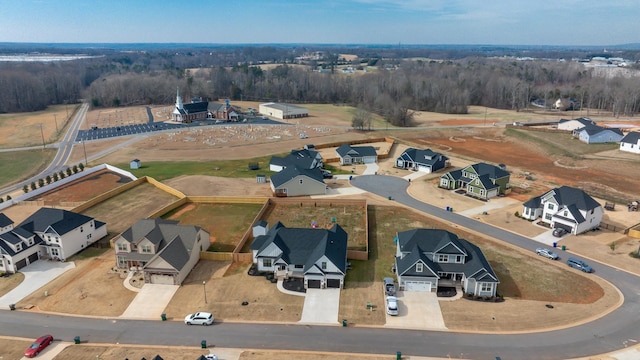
(260, 228)
(261, 178)
(135, 164)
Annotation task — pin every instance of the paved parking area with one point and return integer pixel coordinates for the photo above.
(36, 275)
(321, 307)
(150, 302)
(417, 310)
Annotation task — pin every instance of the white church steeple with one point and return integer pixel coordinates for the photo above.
(179, 105)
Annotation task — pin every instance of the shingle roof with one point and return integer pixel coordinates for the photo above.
(141, 228)
(61, 221)
(303, 158)
(426, 157)
(196, 107)
(631, 138)
(493, 171)
(306, 246)
(346, 149)
(566, 196)
(5, 220)
(291, 172)
(595, 129)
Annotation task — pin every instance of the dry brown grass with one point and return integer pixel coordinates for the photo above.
(83, 352)
(13, 348)
(24, 129)
(8, 283)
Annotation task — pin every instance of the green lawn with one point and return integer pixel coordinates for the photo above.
(163, 170)
(19, 165)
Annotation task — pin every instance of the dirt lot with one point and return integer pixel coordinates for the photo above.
(201, 185)
(89, 289)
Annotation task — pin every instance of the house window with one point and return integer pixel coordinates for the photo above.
(548, 216)
(298, 267)
(266, 262)
(89, 236)
(550, 206)
(324, 265)
(121, 261)
(30, 242)
(443, 258)
(301, 181)
(146, 249)
(486, 287)
(592, 211)
(122, 247)
(565, 213)
(419, 267)
(459, 259)
(81, 230)
(18, 247)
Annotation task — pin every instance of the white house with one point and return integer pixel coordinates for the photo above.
(283, 111)
(631, 142)
(54, 233)
(565, 207)
(319, 256)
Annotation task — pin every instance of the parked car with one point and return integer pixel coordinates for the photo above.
(559, 232)
(40, 344)
(211, 357)
(389, 286)
(199, 318)
(579, 264)
(326, 174)
(392, 305)
(547, 253)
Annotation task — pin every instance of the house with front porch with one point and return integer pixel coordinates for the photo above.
(51, 233)
(295, 181)
(565, 207)
(430, 258)
(319, 256)
(163, 250)
(356, 154)
(481, 180)
(426, 160)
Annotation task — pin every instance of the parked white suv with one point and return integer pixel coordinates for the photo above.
(199, 318)
(392, 305)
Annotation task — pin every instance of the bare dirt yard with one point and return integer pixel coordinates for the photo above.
(81, 190)
(202, 185)
(91, 288)
(228, 286)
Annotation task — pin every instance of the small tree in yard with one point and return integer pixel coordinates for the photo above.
(48, 179)
(33, 185)
(69, 172)
(9, 197)
(62, 174)
(56, 177)
(81, 166)
(75, 169)
(25, 189)
(1, 200)
(612, 246)
(40, 182)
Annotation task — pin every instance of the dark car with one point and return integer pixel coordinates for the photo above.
(389, 286)
(559, 232)
(40, 344)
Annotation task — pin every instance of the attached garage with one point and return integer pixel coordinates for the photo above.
(20, 264)
(162, 279)
(417, 286)
(314, 284)
(424, 169)
(333, 283)
(564, 226)
(33, 257)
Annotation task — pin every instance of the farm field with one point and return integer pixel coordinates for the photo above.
(226, 223)
(29, 129)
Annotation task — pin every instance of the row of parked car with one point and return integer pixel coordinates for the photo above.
(572, 262)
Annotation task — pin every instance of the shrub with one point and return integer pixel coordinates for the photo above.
(40, 182)
(25, 189)
(9, 197)
(33, 185)
(48, 179)
(81, 166)
(69, 172)
(75, 169)
(56, 177)
(517, 214)
(62, 175)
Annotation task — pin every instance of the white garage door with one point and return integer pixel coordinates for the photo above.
(417, 286)
(425, 169)
(162, 279)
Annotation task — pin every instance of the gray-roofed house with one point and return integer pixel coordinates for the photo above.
(165, 251)
(573, 124)
(319, 256)
(593, 134)
(565, 207)
(52, 233)
(631, 142)
(430, 258)
(480, 180)
(356, 154)
(305, 159)
(295, 181)
(422, 160)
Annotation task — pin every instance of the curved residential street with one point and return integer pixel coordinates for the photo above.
(613, 332)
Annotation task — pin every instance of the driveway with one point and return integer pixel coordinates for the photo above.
(321, 307)
(150, 302)
(417, 310)
(36, 275)
(371, 169)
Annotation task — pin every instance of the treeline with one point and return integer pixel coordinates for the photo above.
(394, 89)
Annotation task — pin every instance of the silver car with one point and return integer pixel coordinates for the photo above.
(199, 318)
(392, 305)
(547, 253)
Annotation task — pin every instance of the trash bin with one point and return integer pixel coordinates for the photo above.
(398, 355)
(12, 307)
(450, 209)
(390, 198)
(555, 244)
(344, 322)
(76, 340)
(564, 248)
(447, 208)
(203, 344)
(163, 317)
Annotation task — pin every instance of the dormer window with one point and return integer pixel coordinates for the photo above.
(442, 258)
(419, 267)
(324, 265)
(146, 249)
(550, 206)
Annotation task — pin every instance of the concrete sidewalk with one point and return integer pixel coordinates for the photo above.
(36, 275)
(150, 302)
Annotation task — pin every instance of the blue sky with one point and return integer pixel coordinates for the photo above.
(499, 22)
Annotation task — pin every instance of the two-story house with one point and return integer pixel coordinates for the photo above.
(165, 251)
(565, 207)
(429, 258)
(304, 159)
(319, 256)
(481, 180)
(54, 233)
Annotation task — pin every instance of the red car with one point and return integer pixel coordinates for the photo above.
(40, 344)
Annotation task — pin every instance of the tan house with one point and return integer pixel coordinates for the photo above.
(165, 251)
